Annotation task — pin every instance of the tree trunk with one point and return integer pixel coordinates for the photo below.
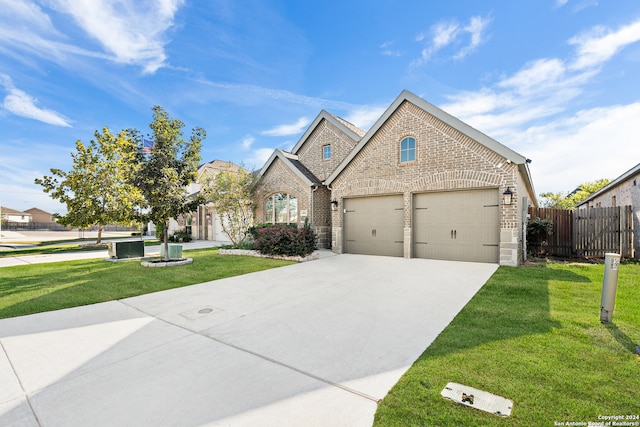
(99, 234)
(166, 240)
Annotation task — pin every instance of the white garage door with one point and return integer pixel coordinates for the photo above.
(374, 225)
(457, 225)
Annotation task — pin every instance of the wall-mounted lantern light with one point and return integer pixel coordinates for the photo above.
(334, 204)
(507, 196)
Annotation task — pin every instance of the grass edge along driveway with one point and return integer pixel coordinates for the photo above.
(531, 334)
(36, 288)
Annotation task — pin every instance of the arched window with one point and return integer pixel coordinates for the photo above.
(281, 208)
(407, 150)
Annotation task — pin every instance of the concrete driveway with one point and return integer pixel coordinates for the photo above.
(313, 344)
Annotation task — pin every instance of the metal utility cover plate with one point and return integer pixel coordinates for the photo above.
(199, 312)
(482, 400)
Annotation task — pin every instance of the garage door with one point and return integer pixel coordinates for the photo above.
(374, 225)
(457, 225)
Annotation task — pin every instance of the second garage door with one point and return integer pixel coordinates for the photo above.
(457, 225)
(374, 225)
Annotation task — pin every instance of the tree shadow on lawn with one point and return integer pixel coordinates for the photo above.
(513, 303)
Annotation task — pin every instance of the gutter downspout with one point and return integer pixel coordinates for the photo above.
(312, 220)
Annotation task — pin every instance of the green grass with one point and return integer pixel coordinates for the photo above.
(43, 287)
(533, 335)
(44, 248)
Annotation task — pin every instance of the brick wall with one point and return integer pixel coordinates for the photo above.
(280, 179)
(310, 154)
(446, 159)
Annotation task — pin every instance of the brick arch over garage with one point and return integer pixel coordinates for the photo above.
(457, 180)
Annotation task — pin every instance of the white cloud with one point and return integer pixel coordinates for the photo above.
(452, 33)
(476, 30)
(291, 129)
(569, 148)
(364, 117)
(258, 158)
(540, 89)
(583, 147)
(599, 45)
(248, 141)
(22, 104)
(442, 34)
(387, 49)
(129, 31)
(133, 31)
(28, 14)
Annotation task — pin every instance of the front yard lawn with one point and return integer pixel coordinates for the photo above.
(43, 287)
(531, 334)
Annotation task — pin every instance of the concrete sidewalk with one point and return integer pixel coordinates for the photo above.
(10, 261)
(313, 344)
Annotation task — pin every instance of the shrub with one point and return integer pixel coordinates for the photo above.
(288, 240)
(180, 236)
(254, 230)
(537, 231)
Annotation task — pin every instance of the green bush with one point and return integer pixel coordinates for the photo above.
(253, 231)
(284, 240)
(180, 236)
(537, 231)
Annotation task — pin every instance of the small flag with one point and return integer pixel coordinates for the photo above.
(147, 146)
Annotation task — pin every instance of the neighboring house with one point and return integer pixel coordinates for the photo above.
(622, 191)
(205, 223)
(12, 215)
(419, 184)
(40, 216)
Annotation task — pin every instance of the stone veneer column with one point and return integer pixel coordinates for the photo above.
(509, 247)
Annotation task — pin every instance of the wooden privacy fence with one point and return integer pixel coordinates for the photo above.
(559, 243)
(597, 231)
(589, 232)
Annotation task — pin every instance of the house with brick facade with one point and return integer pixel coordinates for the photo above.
(419, 184)
(205, 223)
(622, 191)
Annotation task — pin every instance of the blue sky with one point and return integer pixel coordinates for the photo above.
(556, 80)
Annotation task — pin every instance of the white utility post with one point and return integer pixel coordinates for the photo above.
(609, 286)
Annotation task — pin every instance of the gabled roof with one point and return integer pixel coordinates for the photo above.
(450, 120)
(37, 210)
(292, 162)
(344, 126)
(628, 174)
(8, 211)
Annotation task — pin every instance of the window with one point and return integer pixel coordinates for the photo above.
(407, 150)
(326, 152)
(613, 201)
(281, 208)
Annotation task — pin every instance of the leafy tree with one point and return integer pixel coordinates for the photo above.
(167, 170)
(97, 190)
(571, 200)
(232, 194)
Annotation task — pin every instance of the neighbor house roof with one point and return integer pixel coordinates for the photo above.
(8, 211)
(292, 162)
(450, 120)
(37, 211)
(628, 174)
